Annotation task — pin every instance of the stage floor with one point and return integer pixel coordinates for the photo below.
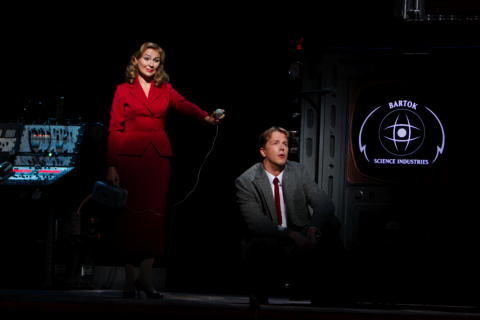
(175, 305)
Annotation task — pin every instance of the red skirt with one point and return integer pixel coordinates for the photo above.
(140, 229)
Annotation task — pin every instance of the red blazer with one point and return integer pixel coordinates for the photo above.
(136, 121)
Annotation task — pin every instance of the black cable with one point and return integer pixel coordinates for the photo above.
(199, 171)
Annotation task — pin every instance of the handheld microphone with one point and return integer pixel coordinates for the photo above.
(218, 113)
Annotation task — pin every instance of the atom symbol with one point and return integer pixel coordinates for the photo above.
(401, 132)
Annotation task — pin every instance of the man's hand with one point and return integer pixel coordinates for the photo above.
(312, 235)
(300, 240)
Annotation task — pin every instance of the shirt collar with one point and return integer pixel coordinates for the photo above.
(271, 177)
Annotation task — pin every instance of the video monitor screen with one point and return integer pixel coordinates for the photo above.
(398, 132)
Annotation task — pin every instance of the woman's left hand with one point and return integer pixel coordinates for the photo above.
(213, 120)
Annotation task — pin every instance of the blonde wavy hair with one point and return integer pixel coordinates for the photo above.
(132, 69)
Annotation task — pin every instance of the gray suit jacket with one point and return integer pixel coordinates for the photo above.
(257, 205)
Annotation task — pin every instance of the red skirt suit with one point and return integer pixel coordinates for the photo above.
(139, 148)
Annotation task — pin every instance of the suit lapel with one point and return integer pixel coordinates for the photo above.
(265, 190)
(154, 93)
(137, 92)
(287, 189)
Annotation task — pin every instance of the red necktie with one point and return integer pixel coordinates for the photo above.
(277, 201)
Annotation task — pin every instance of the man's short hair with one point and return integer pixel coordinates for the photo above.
(265, 135)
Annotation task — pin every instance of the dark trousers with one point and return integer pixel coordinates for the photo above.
(313, 273)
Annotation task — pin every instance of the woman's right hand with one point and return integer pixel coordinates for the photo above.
(113, 176)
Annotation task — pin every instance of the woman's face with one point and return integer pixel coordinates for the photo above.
(148, 63)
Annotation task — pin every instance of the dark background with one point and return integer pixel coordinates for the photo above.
(234, 57)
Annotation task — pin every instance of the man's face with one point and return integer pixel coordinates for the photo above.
(275, 151)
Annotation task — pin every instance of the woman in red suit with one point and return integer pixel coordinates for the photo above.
(139, 155)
